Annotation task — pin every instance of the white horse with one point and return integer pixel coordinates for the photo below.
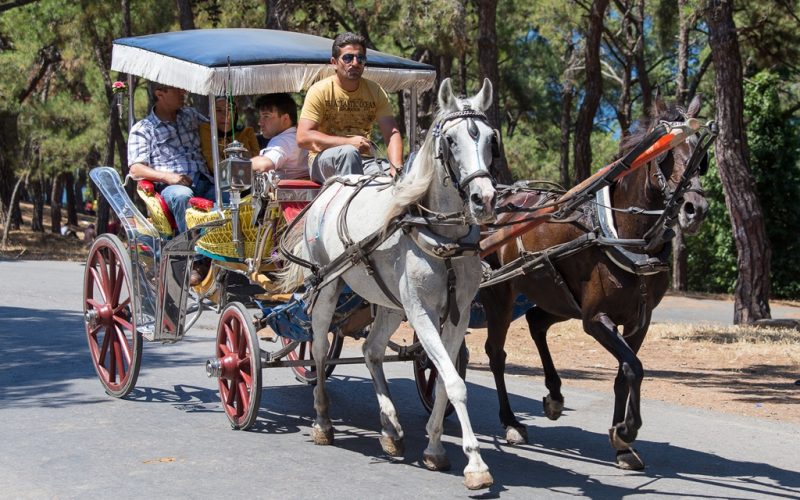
(407, 272)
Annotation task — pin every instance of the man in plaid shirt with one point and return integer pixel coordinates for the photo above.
(164, 147)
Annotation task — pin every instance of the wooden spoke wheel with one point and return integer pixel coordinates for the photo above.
(239, 358)
(114, 343)
(425, 375)
(308, 374)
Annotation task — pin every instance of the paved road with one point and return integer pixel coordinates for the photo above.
(63, 437)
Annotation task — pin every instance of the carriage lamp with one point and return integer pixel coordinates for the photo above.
(236, 171)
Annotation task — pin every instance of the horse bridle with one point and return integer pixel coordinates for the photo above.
(443, 148)
(697, 164)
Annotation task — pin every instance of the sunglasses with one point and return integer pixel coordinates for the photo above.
(348, 58)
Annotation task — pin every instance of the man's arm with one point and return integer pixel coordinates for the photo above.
(143, 171)
(393, 141)
(262, 164)
(311, 138)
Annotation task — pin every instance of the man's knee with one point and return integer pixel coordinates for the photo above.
(349, 161)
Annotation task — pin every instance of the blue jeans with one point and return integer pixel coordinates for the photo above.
(177, 197)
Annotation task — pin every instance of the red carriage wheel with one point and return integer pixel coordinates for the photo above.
(425, 375)
(239, 360)
(308, 374)
(114, 343)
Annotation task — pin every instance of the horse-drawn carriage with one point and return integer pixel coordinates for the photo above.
(366, 254)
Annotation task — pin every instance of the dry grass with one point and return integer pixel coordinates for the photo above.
(30, 245)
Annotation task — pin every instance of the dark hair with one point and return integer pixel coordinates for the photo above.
(282, 102)
(347, 38)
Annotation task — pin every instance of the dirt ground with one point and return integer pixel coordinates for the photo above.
(738, 370)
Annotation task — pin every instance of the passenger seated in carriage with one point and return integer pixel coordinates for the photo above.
(164, 147)
(339, 113)
(277, 117)
(227, 130)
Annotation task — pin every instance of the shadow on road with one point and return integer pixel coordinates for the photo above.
(45, 352)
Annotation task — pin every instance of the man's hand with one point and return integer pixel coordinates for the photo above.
(182, 179)
(361, 143)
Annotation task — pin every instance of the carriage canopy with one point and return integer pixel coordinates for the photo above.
(252, 61)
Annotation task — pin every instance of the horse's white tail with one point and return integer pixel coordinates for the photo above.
(292, 275)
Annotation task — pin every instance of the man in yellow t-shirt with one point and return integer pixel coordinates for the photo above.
(339, 113)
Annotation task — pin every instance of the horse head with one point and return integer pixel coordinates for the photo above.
(670, 168)
(466, 145)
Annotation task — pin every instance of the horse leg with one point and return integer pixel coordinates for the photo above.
(539, 322)
(374, 349)
(321, 315)
(627, 398)
(629, 376)
(476, 473)
(498, 305)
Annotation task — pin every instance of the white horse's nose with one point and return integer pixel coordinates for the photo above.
(482, 199)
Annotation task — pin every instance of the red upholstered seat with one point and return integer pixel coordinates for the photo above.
(146, 186)
(201, 204)
(298, 184)
(149, 189)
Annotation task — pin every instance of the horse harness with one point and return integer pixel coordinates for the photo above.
(417, 223)
(622, 252)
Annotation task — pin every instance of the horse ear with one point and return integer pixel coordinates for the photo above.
(483, 99)
(694, 106)
(446, 98)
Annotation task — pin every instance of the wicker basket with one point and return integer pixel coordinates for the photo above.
(218, 242)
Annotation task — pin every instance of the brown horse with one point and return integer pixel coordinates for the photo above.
(603, 285)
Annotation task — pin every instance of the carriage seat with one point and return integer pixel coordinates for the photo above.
(291, 194)
(294, 194)
(160, 215)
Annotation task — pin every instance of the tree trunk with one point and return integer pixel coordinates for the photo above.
(14, 203)
(679, 257)
(55, 204)
(747, 218)
(487, 68)
(641, 63)
(72, 212)
(185, 15)
(567, 95)
(9, 145)
(593, 91)
(37, 193)
(683, 54)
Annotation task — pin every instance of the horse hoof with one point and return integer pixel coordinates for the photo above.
(322, 437)
(629, 460)
(617, 442)
(516, 435)
(393, 447)
(552, 408)
(436, 462)
(478, 480)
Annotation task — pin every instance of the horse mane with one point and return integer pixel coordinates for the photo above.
(643, 126)
(415, 185)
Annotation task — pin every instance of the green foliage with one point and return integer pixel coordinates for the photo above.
(774, 159)
(774, 147)
(711, 253)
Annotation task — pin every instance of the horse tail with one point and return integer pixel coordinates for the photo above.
(414, 186)
(293, 274)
